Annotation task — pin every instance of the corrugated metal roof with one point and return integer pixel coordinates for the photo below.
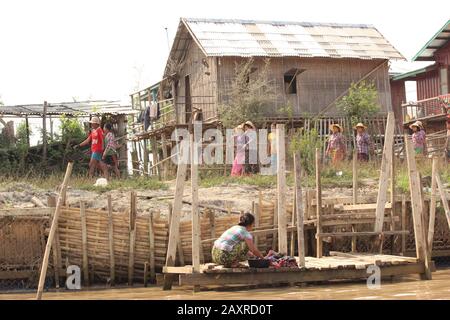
(435, 43)
(70, 108)
(246, 38)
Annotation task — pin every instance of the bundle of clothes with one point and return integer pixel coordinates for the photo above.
(278, 260)
(151, 113)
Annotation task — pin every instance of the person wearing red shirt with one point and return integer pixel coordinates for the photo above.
(96, 140)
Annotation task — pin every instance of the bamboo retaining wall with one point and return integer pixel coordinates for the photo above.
(140, 251)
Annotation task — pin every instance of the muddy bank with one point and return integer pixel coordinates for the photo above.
(237, 197)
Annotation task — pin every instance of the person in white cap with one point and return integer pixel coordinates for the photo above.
(96, 140)
(419, 138)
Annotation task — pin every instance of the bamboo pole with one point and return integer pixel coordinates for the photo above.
(112, 265)
(403, 224)
(443, 198)
(132, 237)
(196, 230)
(319, 242)
(174, 227)
(299, 212)
(432, 214)
(151, 240)
(51, 235)
(84, 243)
(281, 189)
(258, 212)
(417, 209)
(292, 240)
(385, 172)
(355, 192)
(392, 200)
(145, 273)
(355, 177)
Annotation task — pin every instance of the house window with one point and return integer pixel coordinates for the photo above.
(290, 83)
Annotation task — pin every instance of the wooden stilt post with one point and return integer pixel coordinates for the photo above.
(165, 155)
(154, 145)
(281, 189)
(417, 209)
(299, 212)
(146, 157)
(196, 230)
(196, 227)
(51, 235)
(44, 133)
(319, 247)
(132, 233)
(27, 126)
(385, 172)
(112, 264)
(174, 227)
(432, 214)
(84, 243)
(123, 150)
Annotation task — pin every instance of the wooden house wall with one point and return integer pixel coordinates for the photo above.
(428, 85)
(322, 82)
(202, 78)
(442, 56)
(398, 95)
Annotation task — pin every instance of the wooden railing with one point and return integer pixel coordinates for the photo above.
(425, 108)
(167, 114)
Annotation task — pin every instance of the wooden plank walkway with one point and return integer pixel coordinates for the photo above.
(338, 266)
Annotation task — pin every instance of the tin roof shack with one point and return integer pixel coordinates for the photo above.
(111, 111)
(432, 84)
(311, 64)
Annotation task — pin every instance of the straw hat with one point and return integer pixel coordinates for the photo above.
(337, 126)
(95, 120)
(417, 124)
(249, 123)
(360, 125)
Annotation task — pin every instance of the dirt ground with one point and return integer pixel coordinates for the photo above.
(235, 196)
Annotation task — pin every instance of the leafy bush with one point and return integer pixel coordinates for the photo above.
(306, 141)
(71, 130)
(250, 97)
(361, 101)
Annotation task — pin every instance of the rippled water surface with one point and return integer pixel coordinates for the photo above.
(404, 288)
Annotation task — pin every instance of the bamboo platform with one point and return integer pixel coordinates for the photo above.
(338, 266)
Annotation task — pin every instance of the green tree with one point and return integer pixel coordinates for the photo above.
(251, 95)
(71, 130)
(306, 141)
(22, 136)
(360, 102)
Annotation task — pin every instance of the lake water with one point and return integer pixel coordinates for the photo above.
(410, 287)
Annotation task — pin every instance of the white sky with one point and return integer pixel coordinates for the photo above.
(55, 50)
